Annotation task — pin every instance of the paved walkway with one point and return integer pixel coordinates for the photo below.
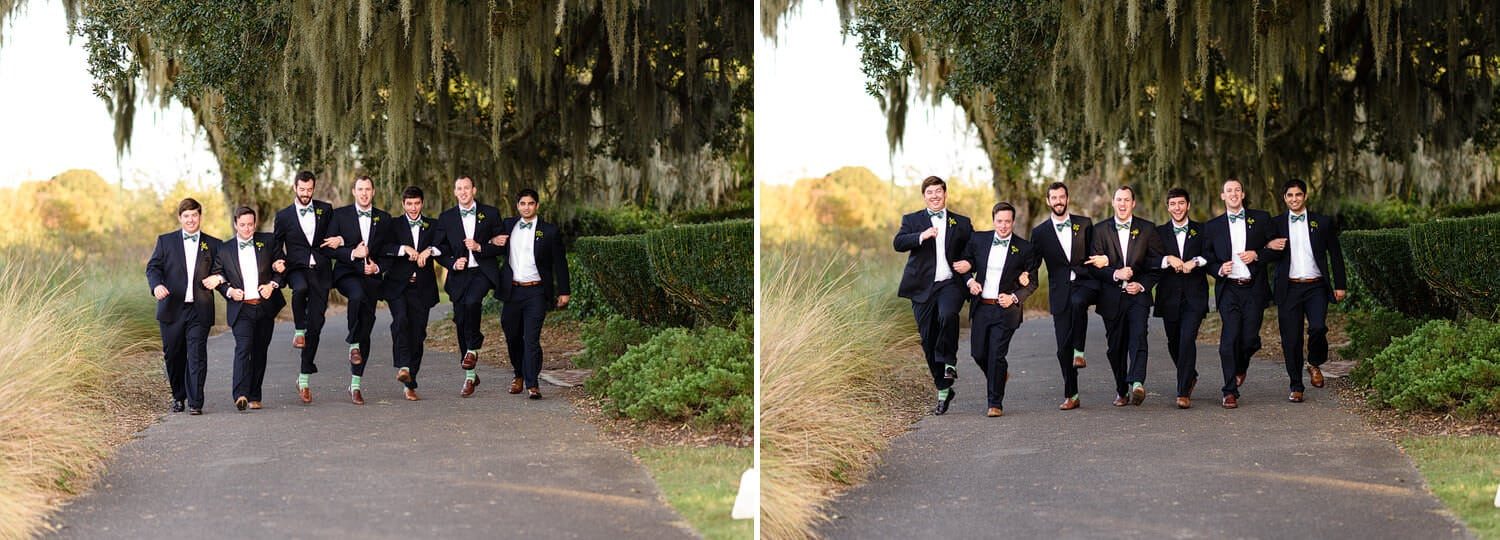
(1270, 469)
(493, 465)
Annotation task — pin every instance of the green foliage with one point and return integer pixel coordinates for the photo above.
(739, 210)
(1382, 263)
(590, 221)
(621, 271)
(701, 376)
(1371, 331)
(1458, 258)
(1389, 214)
(1442, 366)
(708, 267)
(606, 339)
(587, 302)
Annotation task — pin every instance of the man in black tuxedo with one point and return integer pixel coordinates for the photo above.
(1182, 290)
(1000, 284)
(184, 307)
(1126, 254)
(464, 248)
(1235, 254)
(533, 280)
(357, 235)
(301, 230)
(244, 272)
(410, 287)
(934, 239)
(1306, 253)
(1063, 242)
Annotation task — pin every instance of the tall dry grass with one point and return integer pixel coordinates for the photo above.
(832, 332)
(73, 336)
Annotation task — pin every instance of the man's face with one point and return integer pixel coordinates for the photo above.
(936, 197)
(413, 207)
(190, 220)
(1233, 195)
(1296, 199)
(244, 226)
(1178, 207)
(1124, 204)
(463, 189)
(1004, 220)
(1057, 200)
(304, 191)
(527, 207)
(364, 192)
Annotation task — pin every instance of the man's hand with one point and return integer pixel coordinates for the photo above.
(1025, 279)
(1248, 256)
(461, 263)
(931, 232)
(1226, 268)
(1097, 261)
(279, 266)
(962, 267)
(161, 292)
(1134, 288)
(371, 268)
(562, 301)
(212, 282)
(500, 240)
(974, 286)
(1188, 266)
(422, 258)
(1124, 274)
(1174, 262)
(472, 245)
(409, 252)
(266, 290)
(1339, 295)
(1007, 300)
(360, 251)
(236, 294)
(334, 242)
(1277, 244)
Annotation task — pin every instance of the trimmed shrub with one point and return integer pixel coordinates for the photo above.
(1389, 214)
(1459, 259)
(743, 210)
(708, 267)
(622, 274)
(1382, 264)
(701, 376)
(1372, 331)
(587, 221)
(1442, 366)
(608, 338)
(586, 302)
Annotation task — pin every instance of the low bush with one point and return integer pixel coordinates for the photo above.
(701, 376)
(608, 338)
(708, 267)
(1458, 258)
(1442, 366)
(1371, 331)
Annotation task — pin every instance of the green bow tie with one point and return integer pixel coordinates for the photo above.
(190, 237)
(526, 224)
(1121, 226)
(1299, 218)
(364, 213)
(1179, 230)
(938, 214)
(1236, 217)
(1063, 225)
(304, 211)
(246, 243)
(466, 213)
(999, 242)
(413, 222)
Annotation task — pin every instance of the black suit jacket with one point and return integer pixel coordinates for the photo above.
(227, 264)
(292, 242)
(1022, 258)
(345, 224)
(551, 261)
(921, 263)
(399, 270)
(1220, 249)
(1059, 265)
(1176, 292)
(487, 224)
(1144, 260)
(1324, 235)
(168, 266)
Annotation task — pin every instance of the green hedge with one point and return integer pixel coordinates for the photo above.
(709, 267)
(589, 221)
(1459, 258)
(621, 272)
(587, 302)
(1442, 366)
(744, 210)
(1390, 214)
(1382, 264)
(702, 376)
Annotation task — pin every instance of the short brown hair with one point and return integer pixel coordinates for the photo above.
(934, 181)
(1003, 206)
(366, 178)
(189, 204)
(242, 211)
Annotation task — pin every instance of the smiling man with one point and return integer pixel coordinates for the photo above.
(1063, 240)
(184, 306)
(357, 234)
(301, 230)
(934, 239)
(999, 285)
(533, 281)
(244, 272)
(1236, 257)
(464, 248)
(1126, 255)
(1182, 291)
(1307, 256)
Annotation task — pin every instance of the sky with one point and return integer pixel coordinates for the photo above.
(52, 121)
(812, 115)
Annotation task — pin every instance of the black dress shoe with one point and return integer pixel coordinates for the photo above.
(195, 411)
(176, 406)
(942, 405)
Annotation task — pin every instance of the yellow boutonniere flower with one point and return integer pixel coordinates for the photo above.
(1014, 250)
(1192, 232)
(1250, 221)
(259, 245)
(424, 224)
(318, 212)
(1312, 224)
(376, 219)
(952, 221)
(202, 246)
(1075, 227)
(539, 235)
(1134, 233)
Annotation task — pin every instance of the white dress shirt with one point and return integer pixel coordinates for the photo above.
(1065, 237)
(1299, 242)
(1182, 246)
(994, 267)
(522, 252)
(309, 223)
(190, 254)
(1237, 246)
(1124, 236)
(416, 231)
(364, 225)
(944, 269)
(469, 222)
(249, 268)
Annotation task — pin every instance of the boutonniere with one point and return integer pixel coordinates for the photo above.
(1192, 232)
(202, 246)
(1250, 221)
(318, 212)
(1134, 233)
(1075, 227)
(1312, 224)
(952, 222)
(424, 225)
(376, 219)
(1014, 250)
(480, 217)
(259, 244)
(539, 235)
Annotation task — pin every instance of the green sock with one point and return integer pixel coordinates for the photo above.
(1077, 352)
(301, 333)
(354, 382)
(1075, 396)
(470, 375)
(943, 394)
(302, 380)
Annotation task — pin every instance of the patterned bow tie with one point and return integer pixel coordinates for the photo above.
(1236, 217)
(1298, 218)
(466, 213)
(1179, 230)
(246, 243)
(413, 222)
(364, 213)
(999, 242)
(1063, 225)
(938, 214)
(190, 237)
(304, 211)
(1121, 226)
(526, 224)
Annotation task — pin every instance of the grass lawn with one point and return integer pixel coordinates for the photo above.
(701, 484)
(1464, 473)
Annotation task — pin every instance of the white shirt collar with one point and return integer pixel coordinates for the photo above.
(370, 208)
(472, 205)
(1183, 224)
(1056, 220)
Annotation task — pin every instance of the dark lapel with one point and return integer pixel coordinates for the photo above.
(1080, 250)
(536, 243)
(1314, 235)
(1112, 236)
(232, 266)
(1170, 238)
(1134, 239)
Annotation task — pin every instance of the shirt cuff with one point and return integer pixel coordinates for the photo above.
(1200, 260)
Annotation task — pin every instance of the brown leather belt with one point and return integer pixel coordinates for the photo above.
(525, 283)
(1305, 280)
(1240, 282)
(990, 301)
(251, 301)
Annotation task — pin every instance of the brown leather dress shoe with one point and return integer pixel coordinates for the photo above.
(470, 360)
(403, 375)
(355, 358)
(255, 405)
(299, 342)
(1230, 402)
(1184, 403)
(1068, 404)
(356, 396)
(1078, 362)
(533, 393)
(994, 412)
(1317, 375)
(1295, 397)
(1239, 379)
(240, 403)
(1120, 401)
(469, 385)
(411, 395)
(305, 394)
(516, 385)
